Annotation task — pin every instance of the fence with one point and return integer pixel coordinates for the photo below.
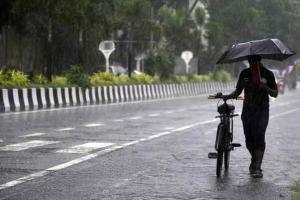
(41, 98)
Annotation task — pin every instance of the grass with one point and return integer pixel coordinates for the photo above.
(295, 191)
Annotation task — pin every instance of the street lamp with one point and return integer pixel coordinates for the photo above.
(107, 47)
(186, 57)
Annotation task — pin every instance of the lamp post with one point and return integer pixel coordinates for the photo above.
(107, 47)
(186, 57)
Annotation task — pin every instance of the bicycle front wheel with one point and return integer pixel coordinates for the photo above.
(219, 162)
(226, 159)
(220, 148)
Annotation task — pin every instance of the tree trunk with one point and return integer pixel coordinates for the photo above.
(49, 53)
(5, 44)
(81, 47)
(20, 64)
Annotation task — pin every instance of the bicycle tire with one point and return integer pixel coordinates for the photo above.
(220, 150)
(226, 159)
(219, 162)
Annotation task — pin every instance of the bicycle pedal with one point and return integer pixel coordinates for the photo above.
(236, 145)
(212, 155)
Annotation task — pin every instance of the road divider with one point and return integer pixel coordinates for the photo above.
(41, 98)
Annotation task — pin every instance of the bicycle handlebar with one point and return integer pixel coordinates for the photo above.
(221, 96)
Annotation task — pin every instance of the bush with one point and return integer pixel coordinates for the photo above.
(121, 80)
(40, 79)
(222, 75)
(295, 191)
(180, 79)
(102, 78)
(202, 77)
(3, 78)
(60, 81)
(13, 78)
(144, 79)
(76, 76)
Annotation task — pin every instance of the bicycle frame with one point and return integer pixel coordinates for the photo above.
(224, 136)
(226, 121)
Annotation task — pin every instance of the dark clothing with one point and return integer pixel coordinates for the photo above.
(255, 124)
(255, 97)
(255, 114)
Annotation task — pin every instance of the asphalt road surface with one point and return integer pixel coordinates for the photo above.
(146, 150)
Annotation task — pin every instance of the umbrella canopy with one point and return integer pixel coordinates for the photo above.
(272, 49)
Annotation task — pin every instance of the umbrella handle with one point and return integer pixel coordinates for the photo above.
(259, 73)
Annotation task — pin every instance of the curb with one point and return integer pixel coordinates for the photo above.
(45, 98)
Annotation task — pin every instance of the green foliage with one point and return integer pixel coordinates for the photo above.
(180, 79)
(160, 62)
(295, 191)
(121, 80)
(4, 78)
(202, 77)
(243, 20)
(40, 79)
(180, 31)
(144, 79)
(106, 78)
(76, 76)
(13, 78)
(102, 78)
(222, 75)
(200, 16)
(59, 81)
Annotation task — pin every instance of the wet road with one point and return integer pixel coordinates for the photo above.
(147, 150)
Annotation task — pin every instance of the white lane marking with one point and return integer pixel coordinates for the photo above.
(118, 120)
(169, 112)
(168, 128)
(284, 113)
(32, 135)
(135, 118)
(26, 145)
(93, 125)
(66, 129)
(181, 110)
(285, 103)
(96, 154)
(154, 115)
(85, 148)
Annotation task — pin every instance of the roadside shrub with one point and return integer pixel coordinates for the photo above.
(102, 78)
(60, 81)
(144, 79)
(3, 78)
(295, 191)
(40, 79)
(202, 77)
(222, 75)
(76, 76)
(13, 78)
(180, 79)
(121, 80)
(19, 79)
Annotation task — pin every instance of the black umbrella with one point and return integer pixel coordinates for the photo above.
(272, 49)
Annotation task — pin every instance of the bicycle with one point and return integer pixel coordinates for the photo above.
(224, 136)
